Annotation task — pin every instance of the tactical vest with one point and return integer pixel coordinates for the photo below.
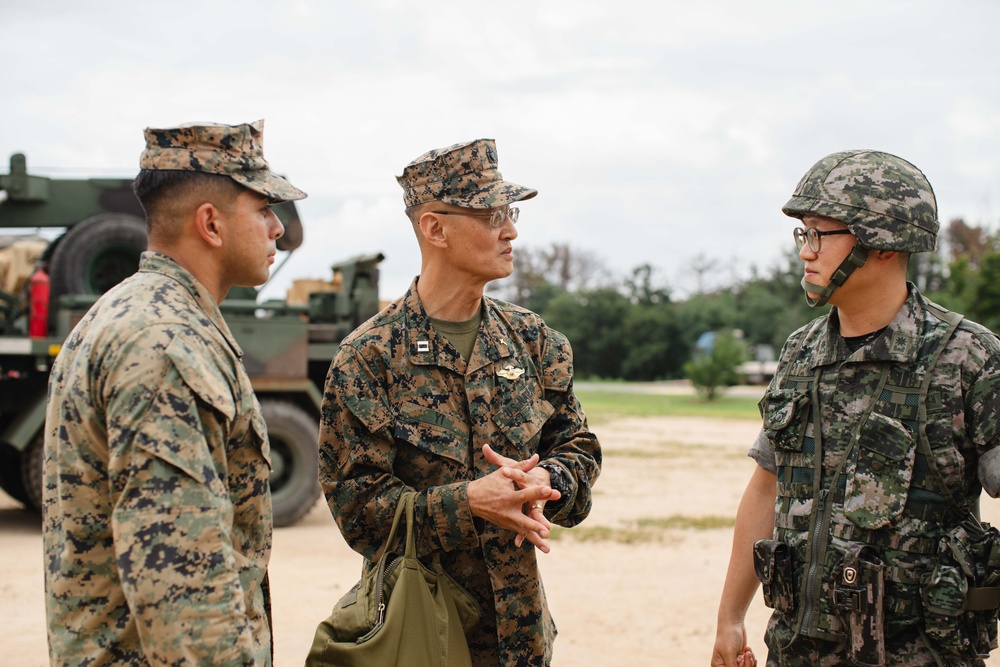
(866, 474)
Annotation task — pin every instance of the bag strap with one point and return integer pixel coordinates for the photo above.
(950, 322)
(411, 548)
(404, 506)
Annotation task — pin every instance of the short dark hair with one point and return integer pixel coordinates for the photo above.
(153, 187)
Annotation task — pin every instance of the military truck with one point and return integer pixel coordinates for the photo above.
(287, 343)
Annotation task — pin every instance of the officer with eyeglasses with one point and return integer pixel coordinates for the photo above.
(468, 401)
(880, 429)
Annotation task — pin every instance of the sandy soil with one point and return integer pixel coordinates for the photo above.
(637, 584)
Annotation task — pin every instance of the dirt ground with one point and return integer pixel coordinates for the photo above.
(636, 584)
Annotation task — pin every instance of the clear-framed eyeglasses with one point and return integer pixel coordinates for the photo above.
(496, 218)
(813, 237)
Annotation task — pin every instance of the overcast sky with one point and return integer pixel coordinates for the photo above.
(655, 132)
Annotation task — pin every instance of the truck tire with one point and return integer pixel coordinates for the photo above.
(32, 460)
(10, 475)
(294, 437)
(97, 254)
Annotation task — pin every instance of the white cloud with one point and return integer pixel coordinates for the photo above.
(969, 120)
(654, 132)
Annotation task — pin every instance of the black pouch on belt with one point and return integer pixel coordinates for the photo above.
(858, 590)
(961, 592)
(772, 562)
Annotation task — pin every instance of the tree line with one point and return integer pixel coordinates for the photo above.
(631, 328)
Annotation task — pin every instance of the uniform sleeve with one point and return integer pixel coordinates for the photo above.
(566, 439)
(172, 514)
(357, 449)
(983, 423)
(762, 451)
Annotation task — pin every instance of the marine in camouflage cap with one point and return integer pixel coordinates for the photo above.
(448, 392)
(885, 201)
(236, 151)
(157, 512)
(465, 175)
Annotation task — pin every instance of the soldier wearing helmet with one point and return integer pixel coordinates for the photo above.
(880, 429)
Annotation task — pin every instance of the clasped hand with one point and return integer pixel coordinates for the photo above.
(513, 496)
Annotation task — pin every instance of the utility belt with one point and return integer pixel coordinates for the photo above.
(958, 593)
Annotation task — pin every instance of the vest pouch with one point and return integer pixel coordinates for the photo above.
(785, 413)
(960, 594)
(944, 590)
(772, 562)
(879, 475)
(858, 594)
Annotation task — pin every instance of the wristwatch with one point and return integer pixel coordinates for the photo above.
(557, 480)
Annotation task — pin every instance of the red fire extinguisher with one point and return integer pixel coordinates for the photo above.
(38, 313)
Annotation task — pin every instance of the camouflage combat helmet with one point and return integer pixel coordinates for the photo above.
(886, 201)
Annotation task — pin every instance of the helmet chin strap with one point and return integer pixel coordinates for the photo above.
(853, 261)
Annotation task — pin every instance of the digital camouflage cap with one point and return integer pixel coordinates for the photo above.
(465, 175)
(236, 151)
(887, 202)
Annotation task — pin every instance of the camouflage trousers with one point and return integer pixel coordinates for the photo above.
(909, 648)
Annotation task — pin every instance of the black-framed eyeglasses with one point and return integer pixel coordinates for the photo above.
(813, 237)
(497, 217)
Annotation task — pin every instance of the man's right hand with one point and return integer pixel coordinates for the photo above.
(731, 648)
(754, 521)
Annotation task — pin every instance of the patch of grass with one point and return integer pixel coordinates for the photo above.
(670, 450)
(642, 530)
(665, 449)
(603, 405)
(688, 522)
(639, 453)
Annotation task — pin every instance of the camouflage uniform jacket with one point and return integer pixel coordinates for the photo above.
(403, 411)
(157, 510)
(866, 474)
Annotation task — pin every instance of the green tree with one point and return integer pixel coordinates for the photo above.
(655, 347)
(972, 284)
(772, 306)
(710, 371)
(540, 274)
(707, 312)
(641, 289)
(984, 307)
(593, 320)
(970, 241)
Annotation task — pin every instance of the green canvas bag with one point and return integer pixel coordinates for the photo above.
(401, 613)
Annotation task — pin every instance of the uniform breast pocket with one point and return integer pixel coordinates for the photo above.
(879, 475)
(521, 420)
(433, 432)
(785, 413)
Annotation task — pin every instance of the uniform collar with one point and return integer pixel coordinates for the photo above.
(899, 343)
(426, 347)
(154, 262)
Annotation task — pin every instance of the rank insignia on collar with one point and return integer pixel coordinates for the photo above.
(508, 372)
(423, 346)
